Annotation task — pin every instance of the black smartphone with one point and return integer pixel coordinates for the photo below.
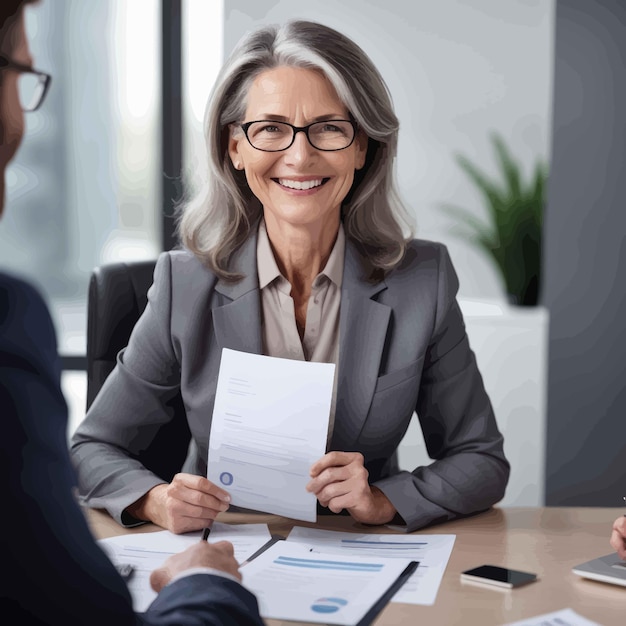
(500, 576)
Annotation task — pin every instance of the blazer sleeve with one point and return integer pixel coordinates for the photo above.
(133, 404)
(203, 599)
(56, 572)
(470, 472)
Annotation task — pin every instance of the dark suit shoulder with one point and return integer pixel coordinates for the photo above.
(26, 328)
(18, 297)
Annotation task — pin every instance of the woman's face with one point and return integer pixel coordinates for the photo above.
(297, 96)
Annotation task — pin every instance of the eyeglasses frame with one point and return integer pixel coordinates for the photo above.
(297, 129)
(44, 77)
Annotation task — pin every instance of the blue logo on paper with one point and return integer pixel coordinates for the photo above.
(328, 605)
(226, 478)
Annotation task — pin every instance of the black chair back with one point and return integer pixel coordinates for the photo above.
(117, 298)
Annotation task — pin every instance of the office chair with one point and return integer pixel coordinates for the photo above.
(117, 298)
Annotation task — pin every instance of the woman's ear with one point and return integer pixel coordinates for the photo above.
(362, 142)
(235, 135)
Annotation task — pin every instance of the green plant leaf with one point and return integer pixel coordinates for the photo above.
(465, 216)
(488, 188)
(510, 168)
(513, 235)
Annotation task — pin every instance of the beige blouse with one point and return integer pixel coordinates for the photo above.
(280, 333)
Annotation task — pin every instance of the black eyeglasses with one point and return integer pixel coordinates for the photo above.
(329, 135)
(32, 84)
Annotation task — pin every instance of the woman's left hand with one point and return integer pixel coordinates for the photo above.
(339, 481)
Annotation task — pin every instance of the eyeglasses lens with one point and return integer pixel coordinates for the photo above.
(275, 136)
(30, 88)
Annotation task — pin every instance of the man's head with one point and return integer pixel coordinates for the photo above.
(14, 47)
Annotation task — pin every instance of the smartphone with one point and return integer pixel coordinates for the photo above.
(500, 576)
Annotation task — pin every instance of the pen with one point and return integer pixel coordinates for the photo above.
(624, 498)
(125, 570)
(205, 533)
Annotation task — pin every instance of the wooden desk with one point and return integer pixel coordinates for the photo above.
(547, 541)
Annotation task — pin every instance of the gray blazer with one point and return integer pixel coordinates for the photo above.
(403, 348)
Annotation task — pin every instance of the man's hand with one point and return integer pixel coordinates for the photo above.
(618, 536)
(218, 555)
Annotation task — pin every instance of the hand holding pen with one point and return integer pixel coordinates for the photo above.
(219, 556)
(206, 532)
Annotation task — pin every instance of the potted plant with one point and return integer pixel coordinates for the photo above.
(512, 236)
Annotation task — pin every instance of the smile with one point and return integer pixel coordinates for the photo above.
(301, 185)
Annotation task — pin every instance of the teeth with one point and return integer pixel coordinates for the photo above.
(297, 184)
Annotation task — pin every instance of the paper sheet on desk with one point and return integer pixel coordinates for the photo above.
(270, 424)
(293, 583)
(147, 551)
(565, 617)
(432, 552)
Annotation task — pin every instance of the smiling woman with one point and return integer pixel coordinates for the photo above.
(297, 247)
(298, 183)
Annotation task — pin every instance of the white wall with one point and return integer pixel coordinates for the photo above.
(456, 70)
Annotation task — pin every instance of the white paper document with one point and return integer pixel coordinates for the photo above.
(432, 552)
(147, 551)
(293, 583)
(270, 424)
(565, 617)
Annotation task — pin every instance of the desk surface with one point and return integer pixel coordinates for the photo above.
(547, 541)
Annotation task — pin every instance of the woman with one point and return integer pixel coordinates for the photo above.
(295, 248)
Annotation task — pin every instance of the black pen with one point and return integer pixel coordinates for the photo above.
(125, 570)
(205, 533)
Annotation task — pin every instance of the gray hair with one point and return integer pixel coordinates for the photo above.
(218, 218)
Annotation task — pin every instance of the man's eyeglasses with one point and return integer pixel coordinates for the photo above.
(270, 136)
(32, 84)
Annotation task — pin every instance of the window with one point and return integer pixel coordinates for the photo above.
(84, 188)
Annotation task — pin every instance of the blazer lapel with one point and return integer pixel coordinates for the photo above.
(237, 324)
(362, 331)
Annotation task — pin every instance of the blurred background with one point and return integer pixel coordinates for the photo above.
(120, 136)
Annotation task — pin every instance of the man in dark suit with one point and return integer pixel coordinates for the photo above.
(53, 571)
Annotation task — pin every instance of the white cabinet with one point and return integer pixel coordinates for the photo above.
(511, 347)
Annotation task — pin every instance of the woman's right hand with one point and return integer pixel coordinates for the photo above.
(188, 503)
